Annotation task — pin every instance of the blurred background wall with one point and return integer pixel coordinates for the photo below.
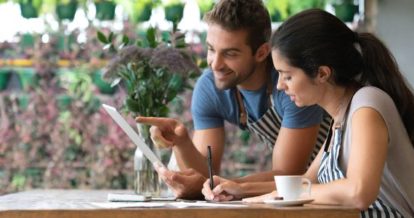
(395, 26)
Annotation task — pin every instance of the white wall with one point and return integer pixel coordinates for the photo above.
(395, 26)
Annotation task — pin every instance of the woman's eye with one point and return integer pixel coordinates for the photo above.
(287, 78)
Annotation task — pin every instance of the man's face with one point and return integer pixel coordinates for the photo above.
(229, 56)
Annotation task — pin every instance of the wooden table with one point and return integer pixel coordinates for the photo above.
(77, 203)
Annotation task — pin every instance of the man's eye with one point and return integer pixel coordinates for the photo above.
(231, 54)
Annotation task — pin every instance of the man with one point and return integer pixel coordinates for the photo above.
(238, 88)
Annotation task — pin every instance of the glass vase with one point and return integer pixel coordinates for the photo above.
(147, 181)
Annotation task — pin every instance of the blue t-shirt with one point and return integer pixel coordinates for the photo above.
(210, 106)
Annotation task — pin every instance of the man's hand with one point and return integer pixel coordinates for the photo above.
(166, 132)
(185, 184)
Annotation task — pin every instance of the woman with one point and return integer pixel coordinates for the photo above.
(368, 158)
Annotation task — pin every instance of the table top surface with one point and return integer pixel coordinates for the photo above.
(88, 203)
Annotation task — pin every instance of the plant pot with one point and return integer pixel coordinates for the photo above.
(4, 78)
(28, 78)
(28, 10)
(174, 12)
(345, 11)
(103, 86)
(66, 11)
(105, 10)
(145, 14)
(147, 182)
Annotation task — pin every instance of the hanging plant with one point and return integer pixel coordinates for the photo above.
(30, 8)
(174, 12)
(66, 9)
(296, 6)
(205, 6)
(278, 9)
(345, 9)
(139, 10)
(105, 9)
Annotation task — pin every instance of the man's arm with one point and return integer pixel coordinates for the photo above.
(293, 149)
(195, 156)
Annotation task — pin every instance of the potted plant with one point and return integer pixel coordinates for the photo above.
(105, 9)
(345, 9)
(153, 76)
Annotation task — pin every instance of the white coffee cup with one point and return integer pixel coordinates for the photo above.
(290, 187)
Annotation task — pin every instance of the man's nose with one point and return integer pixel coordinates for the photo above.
(216, 62)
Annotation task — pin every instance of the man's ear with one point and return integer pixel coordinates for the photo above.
(262, 52)
(324, 74)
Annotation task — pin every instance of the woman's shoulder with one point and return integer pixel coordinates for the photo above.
(371, 93)
(371, 96)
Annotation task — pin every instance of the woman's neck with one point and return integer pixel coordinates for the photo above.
(337, 101)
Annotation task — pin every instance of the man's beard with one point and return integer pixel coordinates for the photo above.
(234, 80)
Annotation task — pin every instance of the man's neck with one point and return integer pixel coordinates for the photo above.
(257, 79)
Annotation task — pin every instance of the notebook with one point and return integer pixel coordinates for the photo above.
(117, 117)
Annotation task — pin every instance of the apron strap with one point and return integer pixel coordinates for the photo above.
(242, 108)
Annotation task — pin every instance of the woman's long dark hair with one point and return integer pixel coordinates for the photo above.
(314, 38)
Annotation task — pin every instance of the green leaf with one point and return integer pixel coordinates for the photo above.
(102, 38)
(151, 37)
(110, 37)
(163, 111)
(125, 40)
(176, 82)
(133, 105)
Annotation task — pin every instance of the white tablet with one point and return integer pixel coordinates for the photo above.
(132, 135)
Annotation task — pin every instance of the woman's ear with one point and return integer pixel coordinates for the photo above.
(262, 52)
(324, 74)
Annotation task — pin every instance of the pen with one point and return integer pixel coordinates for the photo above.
(210, 169)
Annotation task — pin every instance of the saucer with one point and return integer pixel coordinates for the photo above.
(298, 202)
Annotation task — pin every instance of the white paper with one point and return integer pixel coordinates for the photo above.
(127, 197)
(132, 135)
(207, 204)
(109, 205)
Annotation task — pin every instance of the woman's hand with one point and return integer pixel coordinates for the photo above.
(225, 190)
(261, 198)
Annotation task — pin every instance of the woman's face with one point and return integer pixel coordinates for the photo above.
(302, 90)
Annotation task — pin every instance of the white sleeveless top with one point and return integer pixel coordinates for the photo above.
(397, 183)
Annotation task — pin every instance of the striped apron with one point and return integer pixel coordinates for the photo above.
(268, 126)
(330, 170)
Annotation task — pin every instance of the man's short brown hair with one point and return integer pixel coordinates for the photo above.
(250, 15)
